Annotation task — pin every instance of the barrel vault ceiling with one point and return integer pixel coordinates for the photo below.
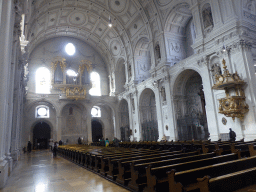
(87, 20)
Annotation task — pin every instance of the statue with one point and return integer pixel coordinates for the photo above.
(158, 53)
(207, 17)
(129, 70)
(162, 91)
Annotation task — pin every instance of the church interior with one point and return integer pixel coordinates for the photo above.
(170, 76)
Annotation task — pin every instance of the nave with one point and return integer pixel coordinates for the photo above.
(38, 171)
(172, 166)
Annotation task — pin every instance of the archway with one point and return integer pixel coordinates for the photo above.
(124, 121)
(41, 135)
(149, 124)
(179, 33)
(142, 59)
(96, 131)
(190, 107)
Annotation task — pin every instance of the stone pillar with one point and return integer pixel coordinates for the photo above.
(116, 118)
(171, 120)
(242, 59)
(14, 123)
(126, 73)
(130, 116)
(89, 125)
(159, 113)
(152, 50)
(6, 33)
(136, 116)
(58, 127)
(210, 101)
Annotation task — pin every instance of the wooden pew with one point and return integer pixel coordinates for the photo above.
(138, 171)
(189, 178)
(123, 165)
(158, 175)
(228, 182)
(113, 162)
(101, 161)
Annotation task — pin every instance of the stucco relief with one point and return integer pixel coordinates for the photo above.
(163, 2)
(115, 48)
(77, 18)
(117, 5)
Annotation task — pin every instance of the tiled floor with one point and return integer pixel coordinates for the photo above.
(40, 172)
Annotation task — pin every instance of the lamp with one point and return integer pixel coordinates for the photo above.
(110, 22)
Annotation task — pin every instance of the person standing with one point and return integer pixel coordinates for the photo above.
(79, 141)
(232, 135)
(55, 149)
(107, 142)
(29, 146)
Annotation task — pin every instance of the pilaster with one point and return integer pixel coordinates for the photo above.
(6, 34)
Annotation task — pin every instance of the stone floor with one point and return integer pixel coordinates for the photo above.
(40, 172)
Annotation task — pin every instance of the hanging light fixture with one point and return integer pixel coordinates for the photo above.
(110, 22)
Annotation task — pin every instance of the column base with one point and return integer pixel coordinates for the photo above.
(3, 173)
(15, 155)
(10, 163)
(214, 137)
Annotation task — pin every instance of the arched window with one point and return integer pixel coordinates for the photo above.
(96, 112)
(95, 79)
(43, 80)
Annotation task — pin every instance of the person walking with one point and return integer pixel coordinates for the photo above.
(55, 149)
(29, 146)
(232, 135)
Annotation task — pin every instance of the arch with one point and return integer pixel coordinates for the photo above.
(179, 33)
(97, 129)
(142, 59)
(124, 120)
(79, 105)
(43, 140)
(148, 113)
(189, 105)
(41, 102)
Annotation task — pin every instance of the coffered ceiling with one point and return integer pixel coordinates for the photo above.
(88, 20)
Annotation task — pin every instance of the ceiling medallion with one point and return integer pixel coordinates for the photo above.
(52, 19)
(100, 29)
(77, 18)
(117, 3)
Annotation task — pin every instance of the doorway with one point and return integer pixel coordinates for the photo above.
(41, 136)
(96, 131)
